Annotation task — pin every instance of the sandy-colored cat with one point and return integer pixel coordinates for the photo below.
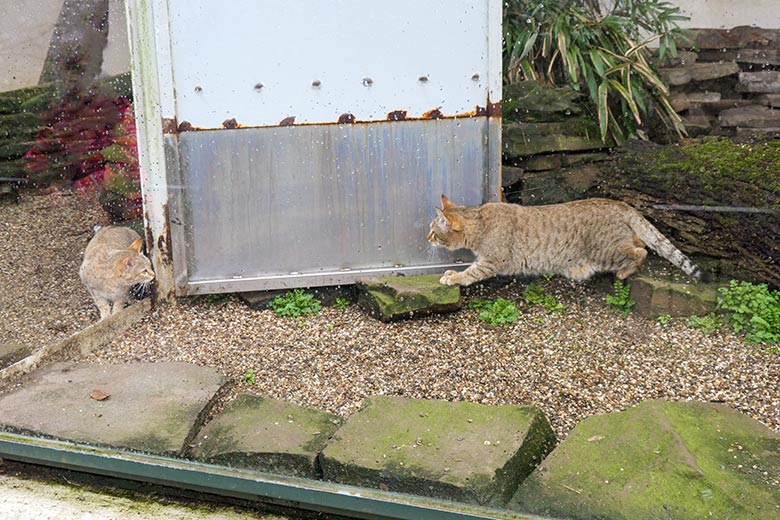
(574, 239)
(112, 265)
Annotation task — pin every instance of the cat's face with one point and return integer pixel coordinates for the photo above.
(135, 268)
(446, 228)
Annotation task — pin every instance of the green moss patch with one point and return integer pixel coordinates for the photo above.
(712, 170)
(397, 297)
(660, 460)
(268, 435)
(461, 451)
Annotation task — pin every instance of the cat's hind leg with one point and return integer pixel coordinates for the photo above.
(580, 272)
(635, 255)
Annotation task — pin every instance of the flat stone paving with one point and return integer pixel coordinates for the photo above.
(268, 435)
(151, 407)
(459, 451)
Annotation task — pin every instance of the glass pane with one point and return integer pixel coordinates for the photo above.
(367, 271)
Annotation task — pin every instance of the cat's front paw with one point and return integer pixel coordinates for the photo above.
(448, 278)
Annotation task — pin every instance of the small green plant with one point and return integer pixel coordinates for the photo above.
(707, 324)
(341, 303)
(496, 312)
(329, 326)
(754, 310)
(535, 295)
(621, 301)
(295, 303)
(249, 377)
(664, 319)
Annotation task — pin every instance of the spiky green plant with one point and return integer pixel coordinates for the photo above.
(602, 51)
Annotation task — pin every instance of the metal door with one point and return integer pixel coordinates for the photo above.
(307, 143)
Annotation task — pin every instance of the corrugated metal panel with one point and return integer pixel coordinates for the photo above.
(321, 204)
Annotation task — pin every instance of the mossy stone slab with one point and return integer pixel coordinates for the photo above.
(267, 435)
(461, 451)
(392, 298)
(150, 407)
(660, 460)
(662, 289)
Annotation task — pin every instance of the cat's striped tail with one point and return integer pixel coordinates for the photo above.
(656, 241)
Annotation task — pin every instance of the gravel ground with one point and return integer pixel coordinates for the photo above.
(583, 361)
(42, 299)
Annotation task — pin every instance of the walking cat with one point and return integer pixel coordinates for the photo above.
(112, 264)
(573, 239)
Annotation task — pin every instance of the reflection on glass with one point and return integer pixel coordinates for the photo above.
(322, 319)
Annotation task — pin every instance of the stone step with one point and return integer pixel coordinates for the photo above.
(453, 450)
(151, 407)
(390, 298)
(659, 288)
(266, 435)
(684, 460)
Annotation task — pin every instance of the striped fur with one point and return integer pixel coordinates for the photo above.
(574, 239)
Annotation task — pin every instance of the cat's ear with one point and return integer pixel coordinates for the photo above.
(446, 203)
(136, 245)
(454, 222)
(123, 265)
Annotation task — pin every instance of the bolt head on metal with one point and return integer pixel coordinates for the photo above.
(422, 79)
(258, 87)
(475, 76)
(198, 89)
(367, 82)
(316, 83)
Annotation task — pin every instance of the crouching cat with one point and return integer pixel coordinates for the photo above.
(112, 264)
(574, 239)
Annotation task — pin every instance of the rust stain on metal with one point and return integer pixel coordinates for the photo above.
(149, 247)
(164, 241)
(491, 109)
(433, 114)
(148, 233)
(169, 125)
(346, 119)
(494, 109)
(397, 115)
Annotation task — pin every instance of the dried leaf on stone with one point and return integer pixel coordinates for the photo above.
(99, 395)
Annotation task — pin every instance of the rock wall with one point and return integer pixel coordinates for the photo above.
(728, 83)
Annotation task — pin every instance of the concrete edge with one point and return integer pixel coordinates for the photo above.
(82, 342)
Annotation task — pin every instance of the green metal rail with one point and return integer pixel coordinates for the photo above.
(242, 484)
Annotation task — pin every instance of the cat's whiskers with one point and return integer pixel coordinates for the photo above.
(432, 252)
